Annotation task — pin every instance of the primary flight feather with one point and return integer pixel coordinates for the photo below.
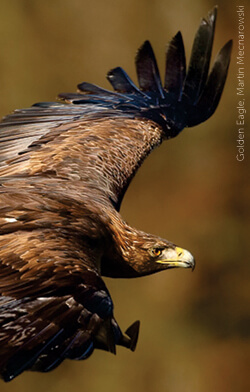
(64, 169)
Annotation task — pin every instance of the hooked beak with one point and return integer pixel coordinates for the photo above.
(177, 257)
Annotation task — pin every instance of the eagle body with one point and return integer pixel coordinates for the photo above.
(64, 169)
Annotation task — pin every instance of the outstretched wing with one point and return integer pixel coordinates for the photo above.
(187, 98)
(100, 137)
(53, 303)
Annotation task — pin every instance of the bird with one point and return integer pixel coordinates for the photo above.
(65, 167)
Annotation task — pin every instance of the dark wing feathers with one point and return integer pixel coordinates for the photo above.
(177, 105)
(121, 82)
(211, 94)
(175, 72)
(200, 59)
(43, 333)
(147, 70)
(89, 88)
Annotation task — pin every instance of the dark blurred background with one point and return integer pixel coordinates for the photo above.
(195, 326)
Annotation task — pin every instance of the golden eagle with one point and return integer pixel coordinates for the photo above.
(64, 170)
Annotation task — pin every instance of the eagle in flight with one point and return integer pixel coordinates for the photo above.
(64, 169)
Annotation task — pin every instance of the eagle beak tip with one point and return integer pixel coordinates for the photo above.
(186, 257)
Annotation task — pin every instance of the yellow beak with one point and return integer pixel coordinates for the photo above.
(177, 257)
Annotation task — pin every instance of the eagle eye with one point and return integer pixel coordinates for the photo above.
(156, 252)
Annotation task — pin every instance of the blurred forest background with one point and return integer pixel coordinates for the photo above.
(195, 327)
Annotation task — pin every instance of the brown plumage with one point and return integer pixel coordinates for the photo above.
(64, 170)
